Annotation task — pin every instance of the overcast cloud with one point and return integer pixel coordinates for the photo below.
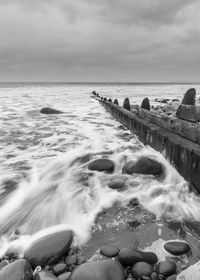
(100, 40)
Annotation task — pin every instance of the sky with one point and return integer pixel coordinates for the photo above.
(100, 40)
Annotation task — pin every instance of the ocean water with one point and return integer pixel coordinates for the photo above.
(45, 183)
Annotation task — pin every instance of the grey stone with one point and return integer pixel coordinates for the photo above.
(49, 249)
(100, 270)
(102, 164)
(49, 111)
(17, 270)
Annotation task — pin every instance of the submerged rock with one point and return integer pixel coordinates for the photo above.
(109, 251)
(141, 269)
(146, 104)
(166, 268)
(144, 165)
(18, 270)
(49, 249)
(126, 104)
(48, 110)
(102, 164)
(100, 270)
(177, 247)
(189, 97)
(116, 183)
(44, 275)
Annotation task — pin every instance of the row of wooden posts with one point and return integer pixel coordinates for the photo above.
(126, 104)
(186, 111)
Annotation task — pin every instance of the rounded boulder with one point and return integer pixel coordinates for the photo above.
(106, 270)
(144, 165)
(116, 183)
(109, 251)
(177, 247)
(102, 164)
(129, 257)
(17, 270)
(49, 249)
(166, 268)
(141, 269)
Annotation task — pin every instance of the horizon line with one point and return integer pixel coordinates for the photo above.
(81, 82)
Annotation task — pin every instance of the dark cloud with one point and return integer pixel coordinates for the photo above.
(91, 40)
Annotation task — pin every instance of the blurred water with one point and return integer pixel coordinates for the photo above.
(44, 179)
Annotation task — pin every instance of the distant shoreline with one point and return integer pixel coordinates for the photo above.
(100, 83)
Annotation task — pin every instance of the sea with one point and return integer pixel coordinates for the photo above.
(45, 184)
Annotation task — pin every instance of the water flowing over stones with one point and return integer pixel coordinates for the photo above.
(144, 165)
(49, 249)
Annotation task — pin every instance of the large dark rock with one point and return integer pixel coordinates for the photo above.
(145, 104)
(166, 268)
(44, 275)
(49, 249)
(128, 257)
(189, 97)
(177, 247)
(141, 269)
(18, 270)
(101, 270)
(110, 100)
(143, 165)
(126, 104)
(109, 251)
(116, 102)
(102, 164)
(48, 111)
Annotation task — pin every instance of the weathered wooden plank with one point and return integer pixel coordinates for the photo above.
(183, 128)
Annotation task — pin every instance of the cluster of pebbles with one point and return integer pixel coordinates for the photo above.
(55, 256)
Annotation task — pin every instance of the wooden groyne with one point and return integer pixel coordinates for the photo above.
(177, 139)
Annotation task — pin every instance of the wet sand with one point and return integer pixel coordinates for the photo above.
(137, 228)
